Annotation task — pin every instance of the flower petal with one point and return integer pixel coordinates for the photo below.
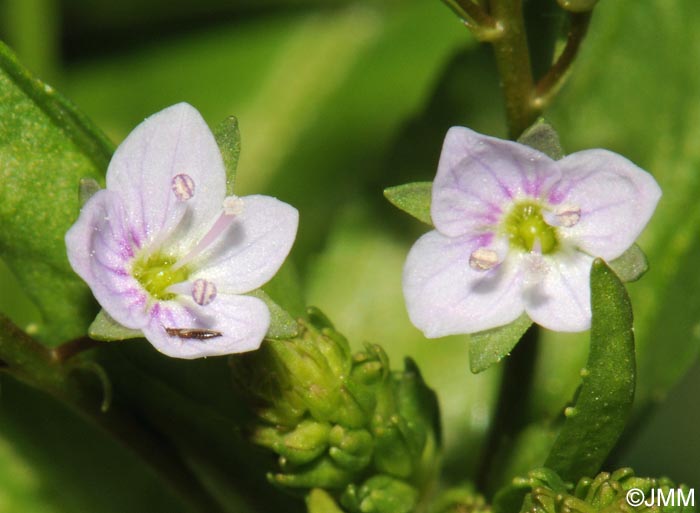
(254, 248)
(100, 247)
(616, 199)
(174, 141)
(478, 176)
(445, 296)
(242, 322)
(561, 301)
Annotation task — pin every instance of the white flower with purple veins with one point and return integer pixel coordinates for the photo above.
(517, 232)
(167, 253)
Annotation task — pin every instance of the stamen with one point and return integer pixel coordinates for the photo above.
(483, 259)
(203, 292)
(232, 207)
(182, 186)
(568, 215)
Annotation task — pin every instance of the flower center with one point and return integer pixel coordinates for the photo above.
(525, 227)
(156, 274)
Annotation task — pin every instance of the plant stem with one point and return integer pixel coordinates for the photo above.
(548, 86)
(511, 413)
(475, 17)
(42, 368)
(513, 61)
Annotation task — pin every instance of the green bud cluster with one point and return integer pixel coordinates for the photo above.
(607, 492)
(341, 422)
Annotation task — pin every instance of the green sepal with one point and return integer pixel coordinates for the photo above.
(380, 494)
(542, 137)
(303, 444)
(318, 501)
(597, 419)
(631, 265)
(228, 137)
(413, 198)
(491, 346)
(282, 325)
(322, 473)
(87, 188)
(106, 329)
(509, 499)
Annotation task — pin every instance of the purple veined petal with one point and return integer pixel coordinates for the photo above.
(100, 247)
(254, 247)
(616, 200)
(175, 141)
(445, 295)
(242, 322)
(479, 177)
(561, 300)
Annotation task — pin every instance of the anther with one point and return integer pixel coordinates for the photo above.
(233, 206)
(203, 292)
(568, 215)
(182, 186)
(483, 259)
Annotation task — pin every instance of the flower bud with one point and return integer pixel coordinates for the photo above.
(341, 422)
(380, 494)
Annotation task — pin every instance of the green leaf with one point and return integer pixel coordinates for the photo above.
(491, 346)
(542, 137)
(318, 501)
(631, 265)
(228, 137)
(46, 148)
(597, 419)
(412, 198)
(107, 329)
(282, 325)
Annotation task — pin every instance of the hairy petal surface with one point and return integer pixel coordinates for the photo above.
(445, 296)
(616, 199)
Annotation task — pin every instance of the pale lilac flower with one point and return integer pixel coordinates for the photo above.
(517, 232)
(167, 253)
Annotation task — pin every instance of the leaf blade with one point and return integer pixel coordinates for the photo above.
(604, 402)
(413, 198)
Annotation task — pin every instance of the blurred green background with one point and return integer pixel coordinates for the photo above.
(338, 100)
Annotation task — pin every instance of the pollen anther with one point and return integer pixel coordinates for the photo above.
(203, 292)
(568, 215)
(483, 259)
(182, 186)
(233, 206)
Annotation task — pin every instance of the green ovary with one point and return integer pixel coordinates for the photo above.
(156, 274)
(524, 226)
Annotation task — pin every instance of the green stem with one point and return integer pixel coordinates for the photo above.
(513, 61)
(511, 413)
(25, 359)
(475, 17)
(548, 86)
